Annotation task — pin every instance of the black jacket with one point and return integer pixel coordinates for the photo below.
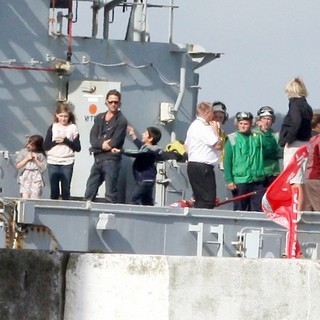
(144, 167)
(103, 130)
(297, 123)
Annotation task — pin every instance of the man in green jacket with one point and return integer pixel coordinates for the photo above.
(265, 119)
(244, 163)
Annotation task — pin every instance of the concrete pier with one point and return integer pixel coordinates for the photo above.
(168, 287)
(40, 285)
(32, 284)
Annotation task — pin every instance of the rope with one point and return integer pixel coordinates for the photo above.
(28, 68)
(124, 63)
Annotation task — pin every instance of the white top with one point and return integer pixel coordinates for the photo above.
(200, 140)
(61, 154)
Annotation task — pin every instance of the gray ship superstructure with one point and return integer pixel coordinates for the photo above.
(42, 61)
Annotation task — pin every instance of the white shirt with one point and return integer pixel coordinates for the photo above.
(200, 140)
(61, 154)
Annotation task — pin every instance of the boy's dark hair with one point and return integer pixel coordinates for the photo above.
(155, 134)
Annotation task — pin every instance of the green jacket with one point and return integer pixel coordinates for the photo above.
(243, 158)
(272, 152)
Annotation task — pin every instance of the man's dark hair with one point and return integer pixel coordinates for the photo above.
(155, 134)
(114, 92)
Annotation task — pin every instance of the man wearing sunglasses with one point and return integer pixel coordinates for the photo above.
(108, 131)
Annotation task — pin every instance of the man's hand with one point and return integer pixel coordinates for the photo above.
(231, 186)
(215, 125)
(106, 145)
(218, 145)
(262, 126)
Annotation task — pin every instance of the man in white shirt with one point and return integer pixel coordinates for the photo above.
(203, 146)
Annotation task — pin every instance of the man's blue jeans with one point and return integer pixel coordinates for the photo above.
(107, 171)
(60, 174)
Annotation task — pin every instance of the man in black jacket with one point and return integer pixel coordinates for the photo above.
(108, 131)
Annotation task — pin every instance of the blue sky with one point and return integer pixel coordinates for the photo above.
(265, 44)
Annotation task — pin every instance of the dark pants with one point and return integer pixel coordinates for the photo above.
(203, 183)
(60, 174)
(143, 193)
(268, 180)
(107, 171)
(252, 203)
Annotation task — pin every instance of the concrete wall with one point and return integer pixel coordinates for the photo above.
(32, 285)
(123, 287)
(167, 287)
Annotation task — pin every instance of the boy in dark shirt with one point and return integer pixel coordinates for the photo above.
(144, 167)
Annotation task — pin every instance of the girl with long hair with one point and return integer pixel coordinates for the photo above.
(61, 143)
(31, 163)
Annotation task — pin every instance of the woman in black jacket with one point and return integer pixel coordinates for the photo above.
(296, 128)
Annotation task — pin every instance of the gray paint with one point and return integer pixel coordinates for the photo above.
(119, 228)
(28, 97)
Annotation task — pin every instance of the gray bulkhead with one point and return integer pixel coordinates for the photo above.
(147, 73)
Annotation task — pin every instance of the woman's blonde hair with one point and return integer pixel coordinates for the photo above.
(296, 88)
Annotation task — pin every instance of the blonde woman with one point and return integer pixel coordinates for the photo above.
(296, 128)
(220, 115)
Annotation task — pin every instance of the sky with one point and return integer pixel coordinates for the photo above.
(264, 43)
